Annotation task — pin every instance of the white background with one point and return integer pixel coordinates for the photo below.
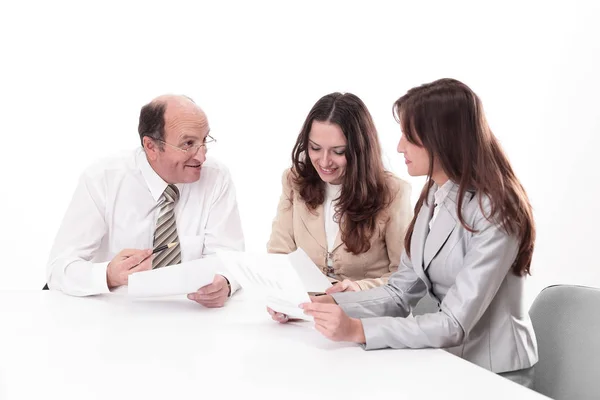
(73, 77)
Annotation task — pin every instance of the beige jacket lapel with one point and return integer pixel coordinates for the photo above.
(338, 241)
(314, 224)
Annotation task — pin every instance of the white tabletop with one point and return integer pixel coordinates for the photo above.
(116, 347)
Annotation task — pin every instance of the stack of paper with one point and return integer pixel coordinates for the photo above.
(283, 280)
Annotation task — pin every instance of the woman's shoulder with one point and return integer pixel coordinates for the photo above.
(397, 186)
(289, 185)
(479, 210)
(399, 192)
(288, 177)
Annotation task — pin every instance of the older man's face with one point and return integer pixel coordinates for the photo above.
(182, 156)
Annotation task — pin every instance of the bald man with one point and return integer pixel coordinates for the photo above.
(166, 192)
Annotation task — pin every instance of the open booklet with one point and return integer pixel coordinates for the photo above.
(283, 280)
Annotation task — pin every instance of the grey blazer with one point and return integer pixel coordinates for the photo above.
(481, 318)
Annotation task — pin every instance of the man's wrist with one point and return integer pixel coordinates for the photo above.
(228, 286)
(109, 282)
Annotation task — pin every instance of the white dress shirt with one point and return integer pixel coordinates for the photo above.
(439, 196)
(332, 227)
(116, 205)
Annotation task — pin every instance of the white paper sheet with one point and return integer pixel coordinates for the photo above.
(282, 280)
(311, 276)
(177, 279)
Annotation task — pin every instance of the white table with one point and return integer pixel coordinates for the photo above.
(115, 347)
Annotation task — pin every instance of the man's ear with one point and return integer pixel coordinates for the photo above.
(150, 147)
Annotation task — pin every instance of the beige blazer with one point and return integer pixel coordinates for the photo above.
(297, 226)
(482, 315)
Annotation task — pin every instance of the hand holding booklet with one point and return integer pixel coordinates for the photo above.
(283, 280)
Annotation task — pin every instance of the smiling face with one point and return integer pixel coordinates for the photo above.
(327, 151)
(186, 127)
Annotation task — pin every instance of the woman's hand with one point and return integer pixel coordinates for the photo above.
(344, 286)
(282, 318)
(334, 323)
(279, 317)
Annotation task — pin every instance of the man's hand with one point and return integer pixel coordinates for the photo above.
(126, 263)
(344, 286)
(334, 323)
(212, 295)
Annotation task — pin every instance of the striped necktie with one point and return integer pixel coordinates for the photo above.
(166, 230)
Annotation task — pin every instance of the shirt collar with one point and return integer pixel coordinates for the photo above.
(442, 192)
(155, 183)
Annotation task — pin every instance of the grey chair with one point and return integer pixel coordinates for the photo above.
(566, 320)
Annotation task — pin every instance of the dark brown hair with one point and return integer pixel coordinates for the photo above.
(365, 191)
(152, 122)
(446, 118)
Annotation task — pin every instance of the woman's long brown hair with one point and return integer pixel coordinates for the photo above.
(365, 191)
(446, 118)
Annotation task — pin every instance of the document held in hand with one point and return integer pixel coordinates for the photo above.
(172, 280)
(283, 280)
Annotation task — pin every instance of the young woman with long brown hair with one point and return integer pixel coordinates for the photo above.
(338, 203)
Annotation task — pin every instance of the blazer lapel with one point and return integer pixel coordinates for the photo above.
(417, 241)
(444, 224)
(314, 224)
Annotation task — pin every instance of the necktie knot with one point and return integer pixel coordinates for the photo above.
(171, 193)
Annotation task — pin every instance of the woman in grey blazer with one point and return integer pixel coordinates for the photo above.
(469, 245)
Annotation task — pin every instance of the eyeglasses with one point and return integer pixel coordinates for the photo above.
(191, 148)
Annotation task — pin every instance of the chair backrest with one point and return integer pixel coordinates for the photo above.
(566, 320)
